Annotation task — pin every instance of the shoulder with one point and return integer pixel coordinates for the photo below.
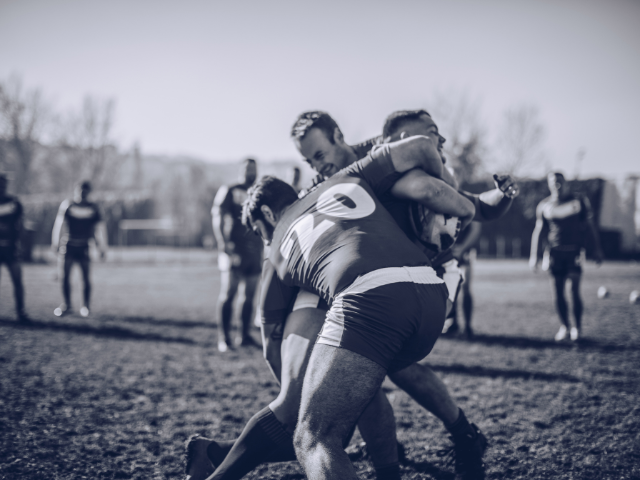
(64, 206)
(221, 194)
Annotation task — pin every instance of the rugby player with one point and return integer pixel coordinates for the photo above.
(388, 305)
(461, 252)
(569, 219)
(239, 258)
(10, 228)
(300, 331)
(78, 221)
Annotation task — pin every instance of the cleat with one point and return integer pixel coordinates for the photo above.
(23, 317)
(450, 327)
(562, 334)
(468, 333)
(224, 346)
(197, 463)
(575, 334)
(84, 311)
(62, 310)
(466, 454)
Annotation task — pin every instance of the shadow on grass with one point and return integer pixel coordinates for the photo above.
(158, 322)
(476, 371)
(96, 331)
(529, 342)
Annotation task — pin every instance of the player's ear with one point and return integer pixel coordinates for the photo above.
(268, 214)
(337, 136)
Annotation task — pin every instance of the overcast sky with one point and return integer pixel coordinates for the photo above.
(222, 80)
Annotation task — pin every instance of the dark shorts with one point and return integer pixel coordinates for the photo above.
(392, 316)
(565, 262)
(8, 255)
(76, 253)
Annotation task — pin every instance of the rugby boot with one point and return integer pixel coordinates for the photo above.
(198, 466)
(450, 326)
(84, 311)
(562, 334)
(574, 334)
(466, 455)
(23, 317)
(62, 310)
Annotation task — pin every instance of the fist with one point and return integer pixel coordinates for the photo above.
(507, 185)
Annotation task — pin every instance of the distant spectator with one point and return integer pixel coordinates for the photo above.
(78, 221)
(569, 219)
(239, 257)
(10, 229)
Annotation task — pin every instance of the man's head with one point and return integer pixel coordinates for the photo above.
(82, 191)
(4, 181)
(320, 141)
(249, 171)
(557, 184)
(408, 123)
(264, 205)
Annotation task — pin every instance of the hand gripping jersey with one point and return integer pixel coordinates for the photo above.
(567, 221)
(81, 218)
(339, 232)
(10, 216)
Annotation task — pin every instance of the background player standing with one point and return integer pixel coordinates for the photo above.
(239, 257)
(10, 228)
(78, 221)
(567, 217)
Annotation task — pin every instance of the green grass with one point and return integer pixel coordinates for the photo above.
(116, 395)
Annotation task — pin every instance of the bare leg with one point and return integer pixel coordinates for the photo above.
(560, 300)
(576, 299)
(18, 290)
(426, 388)
(250, 286)
(66, 280)
(229, 281)
(339, 384)
(377, 426)
(86, 277)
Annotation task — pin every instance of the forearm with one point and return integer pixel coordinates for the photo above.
(271, 346)
(416, 152)
(101, 237)
(492, 205)
(55, 234)
(535, 238)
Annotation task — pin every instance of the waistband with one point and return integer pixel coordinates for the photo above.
(387, 276)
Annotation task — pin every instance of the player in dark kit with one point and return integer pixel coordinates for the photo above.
(239, 257)
(10, 228)
(77, 223)
(387, 304)
(569, 219)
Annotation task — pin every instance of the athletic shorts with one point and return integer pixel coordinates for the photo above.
(8, 255)
(564, 262)
(392, 316)
(77, 253)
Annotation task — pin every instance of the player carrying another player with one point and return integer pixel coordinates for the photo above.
(78, 221)
(10, 228)
(239, 257)
(569, 219)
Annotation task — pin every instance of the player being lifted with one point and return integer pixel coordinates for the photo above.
(313, 129)
(568, 219)
(78, 221)
(10, 228)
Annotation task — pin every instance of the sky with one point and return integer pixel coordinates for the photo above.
(222, 80)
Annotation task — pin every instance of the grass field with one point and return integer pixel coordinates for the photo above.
(116, 395)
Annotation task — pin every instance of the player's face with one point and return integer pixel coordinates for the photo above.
(264, 230)
(324, 156)
(556, 184)
(423, 125)
(250, 172)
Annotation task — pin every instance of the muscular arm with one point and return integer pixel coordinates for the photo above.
(591, 226)
(101, 238)
(416, 152)
(493, 204)
(417, 185)
(222, 222)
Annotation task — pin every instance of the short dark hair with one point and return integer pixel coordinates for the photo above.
(397, 118)
(557, 175)
(314, 119)
(270, 191)
(85, 185)
(249, 160)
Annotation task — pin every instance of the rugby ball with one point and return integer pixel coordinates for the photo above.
(634, 297)
(436, 231)
(603, 292)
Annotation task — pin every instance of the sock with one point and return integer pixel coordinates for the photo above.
(388, 472)
(461, 429)
(262, 437)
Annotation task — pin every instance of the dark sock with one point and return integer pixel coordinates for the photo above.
(461, 429)
(263, 437)
(388, 472)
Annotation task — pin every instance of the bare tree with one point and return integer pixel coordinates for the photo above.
(520, 140)
(459, 119)
(22, 115)
(85, 139)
